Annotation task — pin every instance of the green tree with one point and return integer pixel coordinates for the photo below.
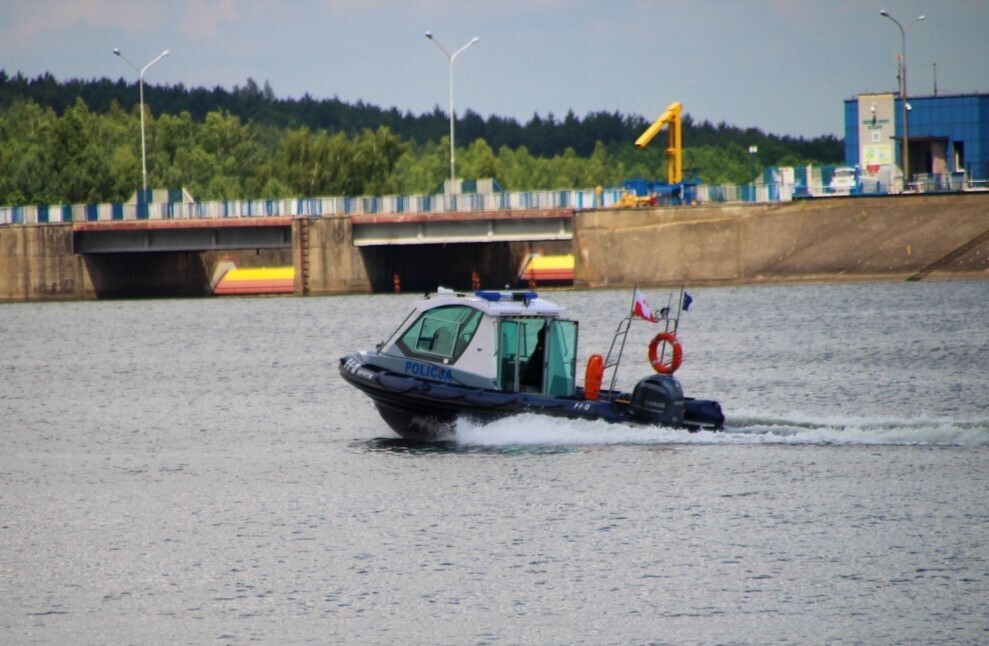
(479, 161)
(602, 170)
(422, 169)
(727, 165)
(298, 165)
(374, 157)
(26, 163)
(567, 171)
(175, 140)
(246, 144)
(220, 158)
(83, 172)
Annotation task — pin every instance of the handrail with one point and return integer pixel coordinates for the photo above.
(576, 199)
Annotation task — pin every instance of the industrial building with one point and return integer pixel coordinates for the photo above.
(947, 140)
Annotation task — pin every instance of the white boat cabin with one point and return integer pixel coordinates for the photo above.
(508, 341)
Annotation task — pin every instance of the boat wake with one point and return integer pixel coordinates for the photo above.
(743, 429)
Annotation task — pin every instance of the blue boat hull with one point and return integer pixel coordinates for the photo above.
(420, 409)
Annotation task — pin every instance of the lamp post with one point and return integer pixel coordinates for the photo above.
(903, 90)
(140, 77)
(753, 150)
(450, 57)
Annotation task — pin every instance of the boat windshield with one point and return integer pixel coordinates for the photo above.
(441, 333)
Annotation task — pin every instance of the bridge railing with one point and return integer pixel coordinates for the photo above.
(577, 199)
(311, 206)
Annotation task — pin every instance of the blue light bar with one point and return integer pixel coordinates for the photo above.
(494, 297)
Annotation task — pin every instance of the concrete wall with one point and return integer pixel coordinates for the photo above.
(36, 263)
(823, 239)
(324, 260)
(864, 238)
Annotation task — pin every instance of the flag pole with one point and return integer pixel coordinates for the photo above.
(676, 321)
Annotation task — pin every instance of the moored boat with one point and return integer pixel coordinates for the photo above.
(494, 354)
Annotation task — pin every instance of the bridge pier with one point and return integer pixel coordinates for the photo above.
(325, 261)
(37, 263)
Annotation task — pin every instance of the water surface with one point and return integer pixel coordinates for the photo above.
(188, 471)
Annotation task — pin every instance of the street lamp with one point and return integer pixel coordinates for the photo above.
(752, 153)
(903, 89)
(140, 76)
(450, 57)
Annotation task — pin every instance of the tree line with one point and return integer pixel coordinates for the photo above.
(80, 142)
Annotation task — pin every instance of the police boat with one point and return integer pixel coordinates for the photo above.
(493, 354)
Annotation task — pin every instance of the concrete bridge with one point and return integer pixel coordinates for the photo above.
(852, 238)
(275, 232)
(362, 252)
(157, 236)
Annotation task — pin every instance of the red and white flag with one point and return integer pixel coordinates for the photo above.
(641, 308)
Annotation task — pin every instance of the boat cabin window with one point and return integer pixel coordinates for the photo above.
(441, 333)
(537, 355)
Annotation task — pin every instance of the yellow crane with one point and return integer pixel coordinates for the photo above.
(674, 149)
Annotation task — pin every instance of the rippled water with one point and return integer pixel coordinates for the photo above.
(188, 471)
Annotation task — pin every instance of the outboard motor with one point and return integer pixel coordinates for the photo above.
(658, 399)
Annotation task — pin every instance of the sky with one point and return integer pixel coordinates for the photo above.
(783, 66)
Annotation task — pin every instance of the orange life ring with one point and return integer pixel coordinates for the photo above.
(661, 366)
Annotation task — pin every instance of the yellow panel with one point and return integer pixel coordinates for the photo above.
(542, 263)
(260, 273)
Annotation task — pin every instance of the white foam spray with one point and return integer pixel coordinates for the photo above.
(743, 429)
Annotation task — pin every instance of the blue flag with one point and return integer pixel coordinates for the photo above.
(687, 300)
